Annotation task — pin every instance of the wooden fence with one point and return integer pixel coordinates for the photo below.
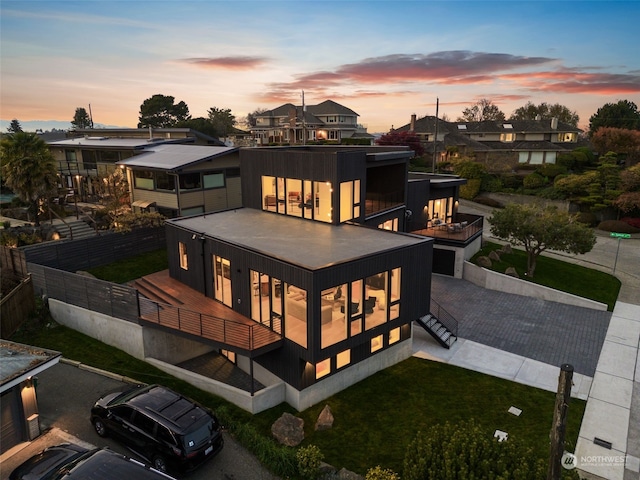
(13, 260)
(119, 301)
(16, 307)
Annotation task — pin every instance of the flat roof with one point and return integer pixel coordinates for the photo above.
(103, 142)
(20, 362)
(175, 157)
(306, 243)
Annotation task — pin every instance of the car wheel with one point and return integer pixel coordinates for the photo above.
(159, 463)
(99, 426)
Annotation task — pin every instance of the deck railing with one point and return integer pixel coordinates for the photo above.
(238, 335)
(444, 317)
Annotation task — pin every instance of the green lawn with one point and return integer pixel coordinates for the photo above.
(566, 277)
(129, 269)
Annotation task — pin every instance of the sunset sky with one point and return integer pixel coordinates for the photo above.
(385, 60)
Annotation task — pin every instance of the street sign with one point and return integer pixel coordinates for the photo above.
(620, 235)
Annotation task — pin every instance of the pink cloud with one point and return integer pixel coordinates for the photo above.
(227, 63)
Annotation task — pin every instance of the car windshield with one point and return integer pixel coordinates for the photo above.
(200, 434)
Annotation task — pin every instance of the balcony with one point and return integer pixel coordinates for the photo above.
(462, 230)
(165, 303)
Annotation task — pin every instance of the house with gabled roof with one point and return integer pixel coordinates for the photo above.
(501, 145)
(292, 124)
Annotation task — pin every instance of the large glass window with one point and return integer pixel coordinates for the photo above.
(184, 259)
(295, 314)
(222, 280)
(266, 303)
(164, 181)
(213, 179)
(440, 210)
(349, 200)
(299, 198)
(375, 300)
(333, 315)
(190, 181)
(143, 179)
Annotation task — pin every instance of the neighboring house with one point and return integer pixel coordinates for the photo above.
(300, 125)
(89, 155)
(20, 365)
(182, 180)
(501, 145)
(303, 289)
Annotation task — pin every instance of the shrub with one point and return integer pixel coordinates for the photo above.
(617, 226)
(379, 473)
(491, 183)
(451, 452)
(551, 170)
(511, 181)
(533, 181)
(6, 224)
(587, 218)
(471, 189)
(551, 193)
(309, 459)
(633, 221)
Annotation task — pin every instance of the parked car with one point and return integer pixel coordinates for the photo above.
(168, 430)
(73, 462)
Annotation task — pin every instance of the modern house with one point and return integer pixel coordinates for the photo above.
(182, 180)
(314, 283)
(91, 154)
(503, 146)
(327, 122)
(18, 400)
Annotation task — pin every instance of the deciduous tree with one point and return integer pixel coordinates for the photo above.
(620, 140)
(408, 139)
(161, 111)
(623, 114)
(539, 229)
(81, 119)
(483, 109)
(199, 124)
(530, 111)
(251, 118)
(28, 169)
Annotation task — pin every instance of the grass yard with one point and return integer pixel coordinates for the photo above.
(129, 269)
(377, 418)
(563, 276)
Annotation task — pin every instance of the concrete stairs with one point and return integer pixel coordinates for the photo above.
(75, 229)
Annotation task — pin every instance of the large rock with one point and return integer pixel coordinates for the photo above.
(344, 474)
(506, 248)
(288, 430)
(484, 262)
(325, 419)
(495, 256)
(511, 271)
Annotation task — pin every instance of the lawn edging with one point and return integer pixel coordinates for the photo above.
(491, 280)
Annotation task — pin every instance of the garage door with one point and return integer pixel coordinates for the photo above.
(10, 425)
(444, 262)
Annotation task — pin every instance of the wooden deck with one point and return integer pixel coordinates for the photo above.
(170, 304)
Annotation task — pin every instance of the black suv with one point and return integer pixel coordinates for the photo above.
(167, 429)
(73, 462)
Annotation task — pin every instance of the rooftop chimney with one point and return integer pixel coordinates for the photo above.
(412, 128)
(554, 123)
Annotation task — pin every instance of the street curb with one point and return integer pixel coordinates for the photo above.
(104, 373)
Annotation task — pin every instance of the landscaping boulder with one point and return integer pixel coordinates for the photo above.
(484, 262)
(325, 419)
(506, 249)
(495, 256)
(288, 430)
(345, 474)
(511, 271)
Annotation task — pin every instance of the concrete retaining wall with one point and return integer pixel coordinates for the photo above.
(504, 283)
(342, 380)
(262, 400)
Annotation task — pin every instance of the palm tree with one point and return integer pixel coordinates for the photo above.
(28, 168)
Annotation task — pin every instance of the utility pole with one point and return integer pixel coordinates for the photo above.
(435, 138)
(304, 125)
(90, 117)
(559, 425)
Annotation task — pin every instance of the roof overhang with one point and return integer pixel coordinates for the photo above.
(143, 203)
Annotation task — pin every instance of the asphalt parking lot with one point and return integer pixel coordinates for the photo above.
(65, 396)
